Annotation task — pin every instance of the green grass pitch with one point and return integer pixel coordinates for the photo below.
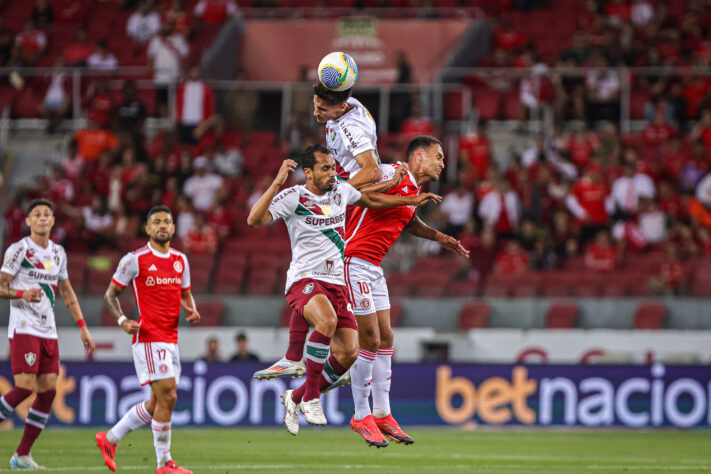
(338, 449)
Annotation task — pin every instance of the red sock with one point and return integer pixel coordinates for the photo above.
(316, 355)
(326, 377)
(36, 420)
(298, 329)
(10, 400)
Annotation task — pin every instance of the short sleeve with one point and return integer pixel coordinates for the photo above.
(13, 259)
(185, 283)
(284, 204)
(63, 273)
(350, 193)
(355, 139)
(126, 271)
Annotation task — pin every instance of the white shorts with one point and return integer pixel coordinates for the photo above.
(156, 361)
(366, 286)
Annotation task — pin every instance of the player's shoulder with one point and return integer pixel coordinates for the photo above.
(139, 251)
(178, 253)
(17, 246)
(292, 192)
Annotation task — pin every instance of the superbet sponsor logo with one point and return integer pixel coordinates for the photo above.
(151, 281)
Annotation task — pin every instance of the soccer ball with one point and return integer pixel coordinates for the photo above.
(338, 71)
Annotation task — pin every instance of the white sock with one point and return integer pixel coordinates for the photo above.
(134, 418)
(361, 379)
(382, 375)
(161, 441)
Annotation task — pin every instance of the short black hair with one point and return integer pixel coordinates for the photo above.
(307, 158)
(332, 97)
(160, 208)
(421, 142)
(241, 337)
(38, 202)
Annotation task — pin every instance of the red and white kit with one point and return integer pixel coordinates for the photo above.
(369, 235)
(158, 281)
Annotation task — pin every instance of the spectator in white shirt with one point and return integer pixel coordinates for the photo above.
(642, 13)
(228, 161)
(102, 59)
(202, 187)
(500, 209)
(186, 217)
(166, 52)
(194, 108)
(55, 104)
(143, 24)
(628, 189)
(458, 206)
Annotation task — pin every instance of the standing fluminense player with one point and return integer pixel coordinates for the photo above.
(33, 271)
(160, 279)
(315, 216)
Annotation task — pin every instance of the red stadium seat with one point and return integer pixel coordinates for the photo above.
(25, 104)
(466, 288)
(211, 312)
(474, 316)
(649, 316)
(561, 316)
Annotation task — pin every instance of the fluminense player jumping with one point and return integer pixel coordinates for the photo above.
(351, 137)
(315, 216)
(369, 235)
(36, 268)
(160, 279)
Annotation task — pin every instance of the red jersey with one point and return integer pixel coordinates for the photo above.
(371, 232)
(602, 259)
(591, 197)
(158, 282)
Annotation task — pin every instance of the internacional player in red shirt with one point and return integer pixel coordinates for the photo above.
(369, 235)
(160, 280)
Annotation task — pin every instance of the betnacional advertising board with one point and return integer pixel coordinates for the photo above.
(466, 395)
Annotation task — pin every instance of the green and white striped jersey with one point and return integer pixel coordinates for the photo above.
(33, 266)
(316, 226)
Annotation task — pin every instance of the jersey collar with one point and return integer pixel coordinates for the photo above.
(157, 253)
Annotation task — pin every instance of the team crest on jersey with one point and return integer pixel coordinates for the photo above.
(150, 281)
(177, 266)
(330, 134)
(30, 358)
(308, 288)
(337, 199)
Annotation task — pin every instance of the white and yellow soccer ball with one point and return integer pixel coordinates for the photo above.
(338, 71)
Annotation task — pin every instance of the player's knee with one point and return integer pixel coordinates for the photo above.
(369, 339)
(169, 398)
(327, 325)
(349, 354)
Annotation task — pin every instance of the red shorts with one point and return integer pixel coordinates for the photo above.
(34, 355)
(303, 290)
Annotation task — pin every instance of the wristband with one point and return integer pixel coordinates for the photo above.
(19, 293)
(81, 322)
(121, 320)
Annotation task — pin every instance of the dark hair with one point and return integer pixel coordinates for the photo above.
(38, 202)
(307, 158)
(241, 337)
(332, 97)
(421, 142)
(155, 209)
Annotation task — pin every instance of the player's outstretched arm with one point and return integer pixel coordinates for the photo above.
(33, 295)
(72, 303)
(400, 174)
(111, 302)
(369, 170)
(419, 229)
(188, 304)
(259, 214)
(384, 201)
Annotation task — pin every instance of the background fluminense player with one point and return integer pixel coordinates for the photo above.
(315, 217)
(36, 268)
(160, 277)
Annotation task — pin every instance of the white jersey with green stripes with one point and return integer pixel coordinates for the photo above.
(350, 135)
(317, 227)
(31, 267)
